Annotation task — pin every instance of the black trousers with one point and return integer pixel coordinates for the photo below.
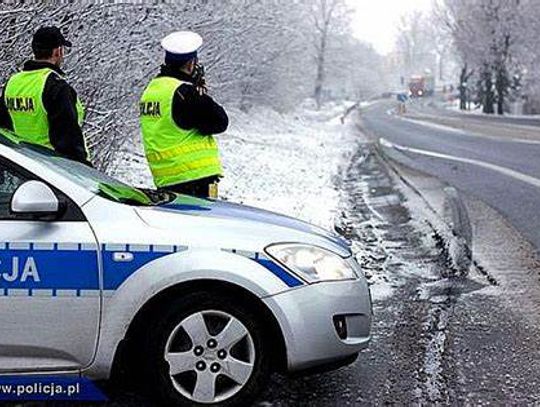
(199, 188)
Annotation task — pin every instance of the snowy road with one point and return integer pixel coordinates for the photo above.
(495, 161)
(489, 327)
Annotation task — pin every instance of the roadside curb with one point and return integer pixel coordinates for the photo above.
(448, 216)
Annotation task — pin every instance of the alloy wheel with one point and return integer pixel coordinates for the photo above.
(211, 356)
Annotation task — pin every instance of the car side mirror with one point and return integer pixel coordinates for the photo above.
(36, 199)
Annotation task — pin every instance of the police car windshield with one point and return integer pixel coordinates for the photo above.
(88, 177)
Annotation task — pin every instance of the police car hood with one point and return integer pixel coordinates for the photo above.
(212, 218)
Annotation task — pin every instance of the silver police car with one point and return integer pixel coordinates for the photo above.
(199, 299)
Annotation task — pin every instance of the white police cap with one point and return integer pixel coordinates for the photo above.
(181, 45)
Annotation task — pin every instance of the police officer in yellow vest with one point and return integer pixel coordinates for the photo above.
(178, 119)
(39, 106)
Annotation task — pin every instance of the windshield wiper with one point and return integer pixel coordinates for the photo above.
(158, 197)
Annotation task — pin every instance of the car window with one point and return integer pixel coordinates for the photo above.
(9, 182)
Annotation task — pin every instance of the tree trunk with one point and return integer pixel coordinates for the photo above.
(463, 78)
(441, 67)
(319, 80)
(488, 96)
(501, 84)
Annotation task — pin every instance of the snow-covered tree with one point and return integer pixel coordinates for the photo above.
(269, 52)
(486, 35)
(328, 17)
(415, 44)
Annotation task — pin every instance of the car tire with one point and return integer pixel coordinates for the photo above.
(188, 365)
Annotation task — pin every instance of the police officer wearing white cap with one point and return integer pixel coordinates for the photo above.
(178, 119)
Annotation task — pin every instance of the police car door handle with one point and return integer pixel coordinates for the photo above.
(122, 257)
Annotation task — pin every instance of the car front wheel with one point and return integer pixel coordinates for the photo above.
(207, 349)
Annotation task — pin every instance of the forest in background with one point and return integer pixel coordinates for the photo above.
(256, 52)
(488, 49)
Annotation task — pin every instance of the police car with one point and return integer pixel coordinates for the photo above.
(200, 299)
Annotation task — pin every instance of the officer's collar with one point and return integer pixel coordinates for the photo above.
(168, 70)
(33, 65)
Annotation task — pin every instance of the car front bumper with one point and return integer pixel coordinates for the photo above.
(309, 316)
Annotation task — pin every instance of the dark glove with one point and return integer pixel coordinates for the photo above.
(199, 79)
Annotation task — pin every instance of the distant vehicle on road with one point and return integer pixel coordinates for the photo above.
(201, 299)
(421, 85)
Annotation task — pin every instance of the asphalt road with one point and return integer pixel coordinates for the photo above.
(502, 171)
(481, 336)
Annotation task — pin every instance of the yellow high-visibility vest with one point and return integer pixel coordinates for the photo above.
(175, 155)
(23, 98)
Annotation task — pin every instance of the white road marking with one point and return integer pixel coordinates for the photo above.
(435, 126)
(501, 170)
(469, 133)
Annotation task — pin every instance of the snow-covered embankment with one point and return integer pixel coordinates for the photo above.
(285, 163)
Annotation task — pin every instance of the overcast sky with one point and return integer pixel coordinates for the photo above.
(375, 21)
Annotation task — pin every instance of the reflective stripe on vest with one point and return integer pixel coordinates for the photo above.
(23, 97)
(175, 155)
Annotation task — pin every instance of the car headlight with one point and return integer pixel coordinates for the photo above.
(311, 262)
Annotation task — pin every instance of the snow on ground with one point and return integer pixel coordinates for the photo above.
(285, 163)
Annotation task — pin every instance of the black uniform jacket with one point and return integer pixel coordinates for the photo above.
(59, 100)
(191, 110)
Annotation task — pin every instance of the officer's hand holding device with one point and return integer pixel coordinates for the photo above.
(199, 78)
